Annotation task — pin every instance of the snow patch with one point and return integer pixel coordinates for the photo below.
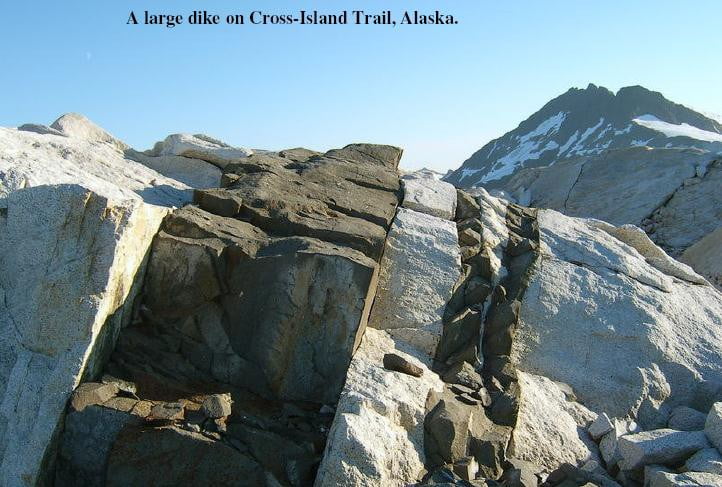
(527, 149)
(674, 130)
(569, 142)
(579, 147)
(625, 130)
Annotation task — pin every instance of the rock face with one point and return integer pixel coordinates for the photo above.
(421, 258)
(263, 289)
(259, 304)
(594, 299)
(311, 318)
(549, 428)
(377, 437)
(76, 223)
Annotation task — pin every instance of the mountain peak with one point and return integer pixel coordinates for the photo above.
(589, 121)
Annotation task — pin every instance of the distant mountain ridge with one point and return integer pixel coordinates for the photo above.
(585, 122)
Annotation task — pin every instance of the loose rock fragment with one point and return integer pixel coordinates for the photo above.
(91, 393)
(217, 406)
(664, 446)
(600, 426)
(398, 363)
(169, 411)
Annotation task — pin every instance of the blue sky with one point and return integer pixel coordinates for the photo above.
(438, 92)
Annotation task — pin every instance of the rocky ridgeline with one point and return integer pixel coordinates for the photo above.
(672, 194)
(296, 318)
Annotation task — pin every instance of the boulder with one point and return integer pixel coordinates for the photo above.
(684, 418)
(652, 471)
(600, 427)
(708, 460)
(201, 147)
(447, 432)
(713, 425)
(550, 430)
(429, 196)
(377, 436)
(421, 259)
(217, 405)
(91, 393)
(689, 479)
(76, 223)
(609, 446)
(664, 446)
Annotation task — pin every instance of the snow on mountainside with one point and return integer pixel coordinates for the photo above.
(589, 122)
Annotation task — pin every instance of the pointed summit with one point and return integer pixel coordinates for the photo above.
(589, 121)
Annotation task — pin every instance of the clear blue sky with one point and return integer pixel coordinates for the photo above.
(439, 92)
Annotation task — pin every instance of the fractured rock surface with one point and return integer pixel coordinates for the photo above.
(377, 437)
(593, 300)
(76, 223)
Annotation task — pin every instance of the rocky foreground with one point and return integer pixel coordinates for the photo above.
(201, 314)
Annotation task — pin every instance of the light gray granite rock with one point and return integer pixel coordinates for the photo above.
(596, 296)
(600, 426)
(689, 479)
(550, 430)
(429, 195)
(684, 418)
(708, 460)
(664, 446)
(75, 229)
(713, 425)
(377, 436)
(201, 147)
(79, 127)
(420, 265)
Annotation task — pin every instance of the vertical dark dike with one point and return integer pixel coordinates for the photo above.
(500, 323)
(499, 313)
